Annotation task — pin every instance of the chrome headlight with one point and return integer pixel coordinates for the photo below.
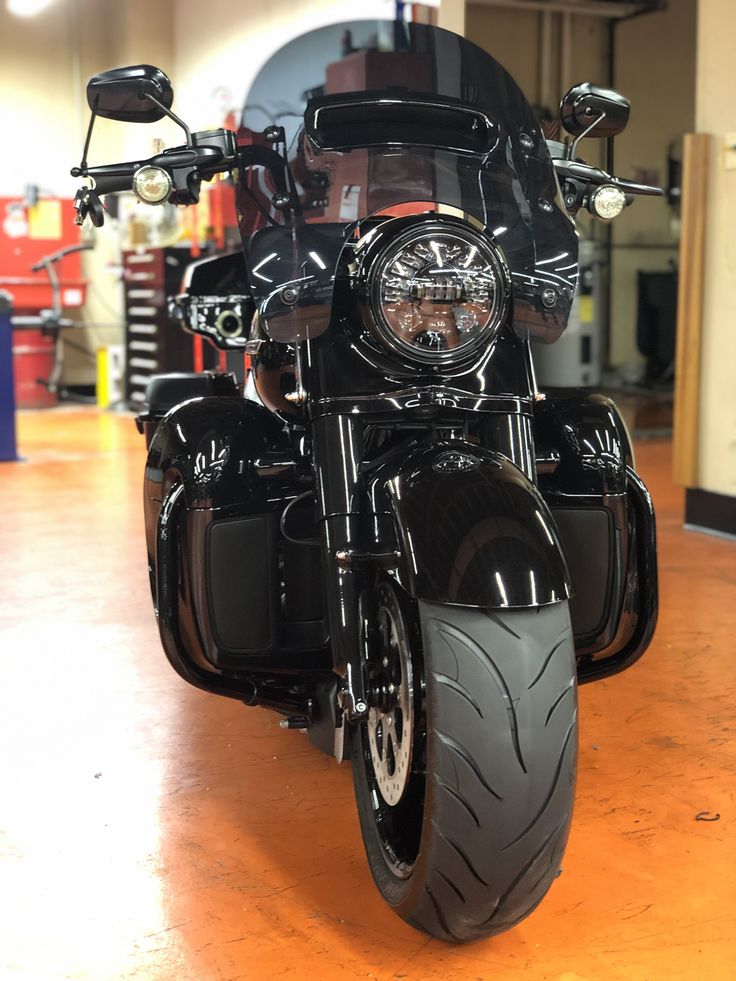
(437, 292)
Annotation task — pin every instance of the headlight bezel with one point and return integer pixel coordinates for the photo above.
(385, 244)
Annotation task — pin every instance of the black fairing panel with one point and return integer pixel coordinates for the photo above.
(589, 536)
(591, 440)
(218, 275)
(209, 445)
(472, 529)
(241, 573)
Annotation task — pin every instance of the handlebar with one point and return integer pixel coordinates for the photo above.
(580, 182)
(216, 151)
(210, 152)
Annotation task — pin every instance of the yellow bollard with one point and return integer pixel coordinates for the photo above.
(103, 378)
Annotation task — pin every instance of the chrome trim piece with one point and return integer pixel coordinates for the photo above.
(425, 397)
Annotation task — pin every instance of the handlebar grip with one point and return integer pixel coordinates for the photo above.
(576, 170)
(113, 177)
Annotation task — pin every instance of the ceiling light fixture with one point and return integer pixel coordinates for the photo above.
(27, 8)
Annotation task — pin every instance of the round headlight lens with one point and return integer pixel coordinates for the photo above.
(152, 184)
(608, 202)
(438, 292)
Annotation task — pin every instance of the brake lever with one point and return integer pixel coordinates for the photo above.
(575, 170)
(643, 190)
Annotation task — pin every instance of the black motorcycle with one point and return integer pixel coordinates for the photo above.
(390, 536)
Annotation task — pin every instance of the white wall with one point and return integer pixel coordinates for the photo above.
(451, 15)
(45, 62)
(40, 107)
(716, 114)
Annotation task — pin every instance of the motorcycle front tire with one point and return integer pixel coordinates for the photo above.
(491, 794)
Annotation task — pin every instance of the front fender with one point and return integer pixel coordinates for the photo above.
(472, 529)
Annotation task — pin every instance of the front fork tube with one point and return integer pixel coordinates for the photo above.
(338, 442)
(513, 436)
(345, 587)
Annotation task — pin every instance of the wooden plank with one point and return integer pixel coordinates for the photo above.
(690, 309)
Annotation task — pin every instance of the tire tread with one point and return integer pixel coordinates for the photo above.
(501, 749)
(504, 863)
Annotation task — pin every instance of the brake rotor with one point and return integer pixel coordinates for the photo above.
(391, 703)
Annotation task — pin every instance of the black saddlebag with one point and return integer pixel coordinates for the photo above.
(606, 523)
(237, 585)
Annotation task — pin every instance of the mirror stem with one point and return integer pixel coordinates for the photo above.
(83, 165)
(609, 156)
(573, 148)
(170, 114)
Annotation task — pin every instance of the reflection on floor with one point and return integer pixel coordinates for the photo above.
(152, 831)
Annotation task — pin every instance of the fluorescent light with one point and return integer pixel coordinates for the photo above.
(27, 8)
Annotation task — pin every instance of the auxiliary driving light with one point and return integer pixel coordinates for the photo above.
(608, 202)
(152, 185)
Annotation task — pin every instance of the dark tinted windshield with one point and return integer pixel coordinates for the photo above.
(387, 117)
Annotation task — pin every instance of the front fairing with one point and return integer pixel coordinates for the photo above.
(502, 179)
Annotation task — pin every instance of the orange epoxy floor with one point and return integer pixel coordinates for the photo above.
(151, 831)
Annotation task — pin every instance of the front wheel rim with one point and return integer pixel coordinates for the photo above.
(389, 738)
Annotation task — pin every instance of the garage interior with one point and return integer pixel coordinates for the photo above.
(150, 830)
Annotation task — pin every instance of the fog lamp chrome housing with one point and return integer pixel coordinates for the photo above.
(224, 320)
(437, 292)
